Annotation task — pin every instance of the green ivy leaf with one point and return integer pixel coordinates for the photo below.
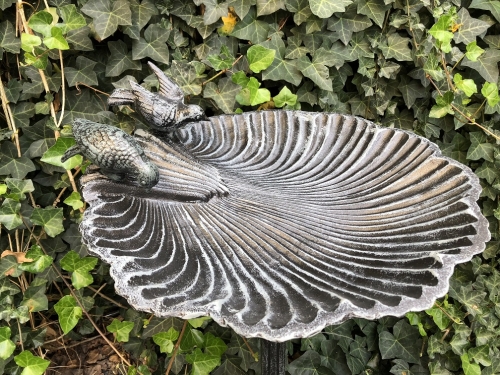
(260, 58)
(214, 345)
(250, 28)
(7, 347)
(56, 40)
(50, 218)
(440, 31)
(79, 39)
(11, 164)
(81, 105)
(198, 322)
(74, 200)
(397, 48)
(401, 343)
(481, 150)
(186, 76)
(492, 5)
(374, 9)
(120, 59)
(18, 188)
(252, 94)
(192, 337)
(308, 363)
(466, 85)
(469, 368)
(39, 262)
(325, 8)
(141, 14)
(411, 91)
(69, 313)
(214, 11)
(300, 9)
(153, 45)
(470, 27)
(83, 72)
(34, 297)
(486, 64)
(73, 20)
(80, 269)
(108, 15)
(269, 6)
(10, 215)
(473, 51)
(202, 363)
(349, 23)
(42, 22)
(281, 68)
(29, 41)
(490, 92)
(221, 61)
(8, 40)
(230, 366)
(480, 355)
(53, 155)
(121, 329)
(224, 94)
(439, 317)
(285, 97)
(165, 340)
(32, 365)
(4, 4)
(316, 71)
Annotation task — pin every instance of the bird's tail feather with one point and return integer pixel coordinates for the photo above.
(121, 97)
(70, 152)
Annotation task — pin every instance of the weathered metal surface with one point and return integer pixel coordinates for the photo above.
(273, 357)
(279, 223)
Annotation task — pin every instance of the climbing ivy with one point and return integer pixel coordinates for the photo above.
(430, 67)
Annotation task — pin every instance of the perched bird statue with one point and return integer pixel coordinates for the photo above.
(163, 110)
(116, 153)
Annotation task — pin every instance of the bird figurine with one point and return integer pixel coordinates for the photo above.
(116, 153)
(163, 110)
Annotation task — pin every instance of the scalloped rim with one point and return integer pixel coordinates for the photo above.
(345, 310)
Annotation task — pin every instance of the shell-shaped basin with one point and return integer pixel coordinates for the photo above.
(279, 223)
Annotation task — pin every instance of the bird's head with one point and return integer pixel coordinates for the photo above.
(195, 113)
(147, 175)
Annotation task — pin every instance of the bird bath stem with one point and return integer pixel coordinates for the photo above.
(273, 357)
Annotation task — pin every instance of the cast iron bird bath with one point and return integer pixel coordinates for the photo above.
(279, 223)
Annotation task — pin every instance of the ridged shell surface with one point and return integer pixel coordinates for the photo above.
(311, 219)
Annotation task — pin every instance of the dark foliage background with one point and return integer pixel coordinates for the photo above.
(428, 66)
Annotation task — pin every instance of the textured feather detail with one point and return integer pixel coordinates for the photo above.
(121, 97)
(167, 88)
(328, 217)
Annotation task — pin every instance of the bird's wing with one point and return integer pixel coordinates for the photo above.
(168, 88)
(182, 177)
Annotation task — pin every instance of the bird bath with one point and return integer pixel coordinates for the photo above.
(279, 223)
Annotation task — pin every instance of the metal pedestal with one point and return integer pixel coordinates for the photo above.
(273, 357)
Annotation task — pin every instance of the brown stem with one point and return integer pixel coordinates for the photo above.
(250, 349)
(90, 87)
(221, 72)
(176, 348)
(98, 291)
(70, 288)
